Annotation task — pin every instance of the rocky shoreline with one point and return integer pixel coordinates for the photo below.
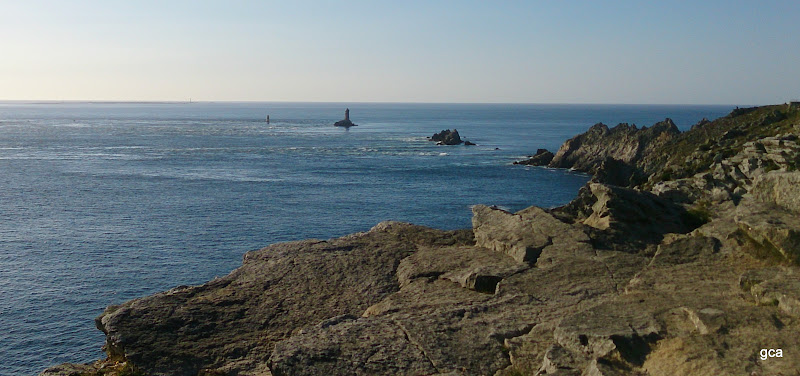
(680, 257)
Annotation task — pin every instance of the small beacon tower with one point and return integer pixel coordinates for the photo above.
(346, 122)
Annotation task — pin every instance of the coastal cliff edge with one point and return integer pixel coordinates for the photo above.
(680, 257)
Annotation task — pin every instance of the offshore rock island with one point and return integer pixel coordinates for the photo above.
(346, 121)
(448, 137)
(680, 257)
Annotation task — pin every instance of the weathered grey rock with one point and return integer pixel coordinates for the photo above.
(774, 286)
(636, 214)
(460, 330)
(504, 232)
(602, 329)
(624, 143)
(349, 346)
(560, 361)
(68, 369)
(230, 324)
(474, 268)
(522, 235)
(773, 231)
(564, 252)
(678, 191)
(483, 278)
(464, 339)
(425, 297)
(684, 249)
(575, 281)
(781, 189)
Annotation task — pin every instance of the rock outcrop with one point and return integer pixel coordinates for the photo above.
(625, 143)
(346, 121)
(769, 216)
(657, 278)
(447, 137)
(541, 158)
(611, 155)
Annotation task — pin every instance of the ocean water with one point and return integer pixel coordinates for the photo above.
(104, 202)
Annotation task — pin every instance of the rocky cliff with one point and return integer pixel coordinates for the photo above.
(690, 270)
(625, 143)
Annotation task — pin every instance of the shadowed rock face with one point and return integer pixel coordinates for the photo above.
(447, 137)
(541, 158)
(344, 123)
(620, 281)
(625, 143)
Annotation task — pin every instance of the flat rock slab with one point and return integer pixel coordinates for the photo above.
(367, 346)
(231, 324)
(474, 268)
(522, 235)
(468, 339)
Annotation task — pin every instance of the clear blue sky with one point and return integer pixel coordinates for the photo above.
(725, 52)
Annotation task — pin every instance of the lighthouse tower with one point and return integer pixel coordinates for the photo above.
(346, 122)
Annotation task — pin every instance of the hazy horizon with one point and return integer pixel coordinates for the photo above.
(192, 101)
(619, 52)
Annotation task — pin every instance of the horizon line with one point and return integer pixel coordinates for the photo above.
(113, 101)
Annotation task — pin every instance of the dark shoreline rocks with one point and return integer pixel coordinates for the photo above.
(541, 158)
(679, 258)
(624, 145)
(344, 123)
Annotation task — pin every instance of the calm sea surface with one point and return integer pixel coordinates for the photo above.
(104, 202)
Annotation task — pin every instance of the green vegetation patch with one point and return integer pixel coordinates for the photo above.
(762, 251)
(721, 138)
(698, 215)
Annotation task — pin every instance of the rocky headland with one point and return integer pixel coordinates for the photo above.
(680, 257)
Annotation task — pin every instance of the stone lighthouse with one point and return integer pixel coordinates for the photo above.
(346, 122)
